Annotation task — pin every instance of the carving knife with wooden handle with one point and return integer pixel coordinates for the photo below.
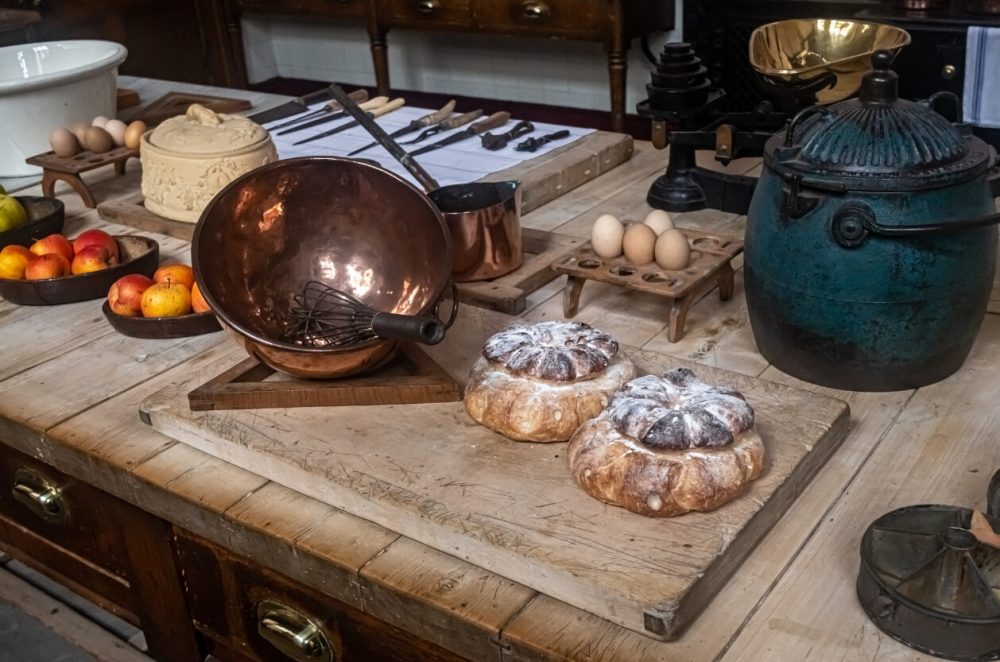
(378, 112)
(371, 104)
(436, 117)
(494, 121)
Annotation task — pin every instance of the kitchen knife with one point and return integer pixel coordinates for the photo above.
(371, 104)
(494, 121)
(358, 96)
(427, 120)
(296, 106)
(532, 144)
(447, 125)
(378, 112)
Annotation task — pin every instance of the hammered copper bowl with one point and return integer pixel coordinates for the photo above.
(349, 224)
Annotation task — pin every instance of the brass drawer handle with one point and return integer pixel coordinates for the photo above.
(428, 7)
(535, 10)
(39, 495)
(948, 71)
(291, 632)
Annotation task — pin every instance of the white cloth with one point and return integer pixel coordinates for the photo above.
(460, 163)
(981, 94)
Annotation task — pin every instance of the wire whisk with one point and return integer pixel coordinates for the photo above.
(324, 316)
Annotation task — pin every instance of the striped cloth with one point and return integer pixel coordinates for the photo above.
(981, 94)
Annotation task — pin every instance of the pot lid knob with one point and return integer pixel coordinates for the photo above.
(881, 84)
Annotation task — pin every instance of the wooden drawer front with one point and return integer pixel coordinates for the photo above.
(85, 531)
(318, 8)
(427, 14)
(226, 594)
(578, 19)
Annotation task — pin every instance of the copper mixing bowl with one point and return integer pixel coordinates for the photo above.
(346, 223)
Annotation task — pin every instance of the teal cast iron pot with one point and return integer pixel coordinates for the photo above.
(871, 243)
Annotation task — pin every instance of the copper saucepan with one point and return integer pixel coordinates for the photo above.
(484, 218)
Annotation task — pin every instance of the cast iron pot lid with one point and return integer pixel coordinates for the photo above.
(878, 142)
(930, 578)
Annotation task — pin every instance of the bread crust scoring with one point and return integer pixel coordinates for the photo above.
(668, 445)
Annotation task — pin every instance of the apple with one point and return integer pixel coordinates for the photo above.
(175, 273)
(13, 260)
(125, 294)
(98, 238)
(54, 243)
(166, 299)
(198, 303)
(48, 265)
(90, 258)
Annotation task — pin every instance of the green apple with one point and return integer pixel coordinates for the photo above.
(12, 214)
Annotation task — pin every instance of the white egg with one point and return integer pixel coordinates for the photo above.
(117, 130)
(100, 121)
(606, 236)
(659, 220)
(639, 243)
(672, 251)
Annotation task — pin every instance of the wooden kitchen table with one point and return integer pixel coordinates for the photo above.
(72, 387)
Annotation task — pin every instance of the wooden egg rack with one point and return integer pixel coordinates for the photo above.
(68, 168)
(710, 266)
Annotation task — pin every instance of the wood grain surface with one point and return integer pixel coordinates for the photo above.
(513, 508)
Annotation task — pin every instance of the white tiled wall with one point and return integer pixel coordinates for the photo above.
(547, 71)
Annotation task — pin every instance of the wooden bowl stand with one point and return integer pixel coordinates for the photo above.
(68, 168)
(709, 267)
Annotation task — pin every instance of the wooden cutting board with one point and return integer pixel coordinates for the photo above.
(176, 103)
(431, 473)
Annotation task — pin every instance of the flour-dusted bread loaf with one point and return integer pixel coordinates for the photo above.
(540, 382)
(668, 445)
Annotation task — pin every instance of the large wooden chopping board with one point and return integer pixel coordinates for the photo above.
(431, 473)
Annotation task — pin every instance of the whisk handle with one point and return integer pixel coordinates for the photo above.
(415, 328)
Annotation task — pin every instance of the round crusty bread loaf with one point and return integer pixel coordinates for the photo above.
(541, 382)
(668, 445)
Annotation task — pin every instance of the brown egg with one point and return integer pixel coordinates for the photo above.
(98, 140)
(80, 131)
(133, 134)
(638, 243)
(63, 142)
(672, 250)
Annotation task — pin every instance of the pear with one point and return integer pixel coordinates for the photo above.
(12, 213)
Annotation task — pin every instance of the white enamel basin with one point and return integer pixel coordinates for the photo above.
(47, 85)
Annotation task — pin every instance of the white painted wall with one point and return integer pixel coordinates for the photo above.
(547, 71)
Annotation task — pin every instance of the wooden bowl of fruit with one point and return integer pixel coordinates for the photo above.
(167, 305)
(55, 270)
(25, 219)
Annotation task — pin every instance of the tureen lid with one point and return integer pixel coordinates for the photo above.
(203, 131)
(878, 142)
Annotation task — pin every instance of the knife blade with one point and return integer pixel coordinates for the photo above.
(296, 106)
(494, 121)
(371, 104)
(358, 96)
(378, 112)
(436, 117)
(447, 125)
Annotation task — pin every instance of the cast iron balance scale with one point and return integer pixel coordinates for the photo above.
(800, 63)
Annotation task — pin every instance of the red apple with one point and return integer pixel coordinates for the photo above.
(98, 238)
(54, 243)
(90, 258)
(49, 265)
(125, 295)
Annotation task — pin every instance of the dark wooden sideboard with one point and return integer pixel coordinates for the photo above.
(614, 23)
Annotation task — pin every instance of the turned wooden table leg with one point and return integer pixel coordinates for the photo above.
(380, 59)
(678, 316)
(726, 285)
(571, 295)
